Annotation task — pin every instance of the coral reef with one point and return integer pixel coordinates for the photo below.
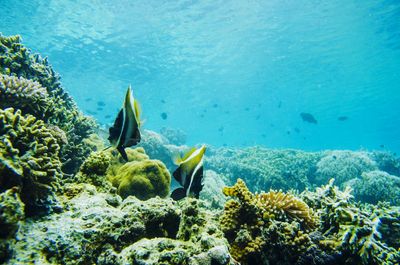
(98, 228)
(174, 136)
(353, 230)
(387, 162)
(265, 168)
(211, 192)
(262, 227)
(376, 186)
(26, 95)
(29, 158)
(343, 166)
(18, 63)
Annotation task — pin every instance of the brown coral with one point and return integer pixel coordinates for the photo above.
(29, 158)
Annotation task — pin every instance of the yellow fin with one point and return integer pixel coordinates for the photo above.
(137, 112)
(191, 151)
(176, 158)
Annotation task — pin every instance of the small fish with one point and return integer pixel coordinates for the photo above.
(107, 116)
(296, 129)
(189, 174)
(125, 131)
(88, 99)
(308, 117)
(99, 109)
(343, 118)
(215, 105)
(163, 101)
(247, 109)
(279, 104)
(164, 115)
(221, 129)
(101, 103)
(91, 112)
(382, 146)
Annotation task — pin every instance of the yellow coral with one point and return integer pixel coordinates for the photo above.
(285, 207)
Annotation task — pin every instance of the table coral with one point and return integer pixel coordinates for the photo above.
(29, 158)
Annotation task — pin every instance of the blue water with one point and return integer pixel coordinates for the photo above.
(229, 72)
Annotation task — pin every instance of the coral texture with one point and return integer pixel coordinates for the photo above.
(376, 186)
(26, 95)
(16, 60)
(260, 227)
(29, 158)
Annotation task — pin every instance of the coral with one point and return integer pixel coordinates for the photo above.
(27, 95)
(264, 168)
(343, 166)
(351, 229)
(11, 212)
(211, 192)
(387, 162)
(174, 136)
(29, 158)
(97, 163)
(17, 61)
(144, 179)
(375, 186)
(262, 226)
(99, 228)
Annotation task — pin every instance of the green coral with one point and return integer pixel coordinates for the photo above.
(376, 186)
(17, 61)
(258, 226)
(143, 179)
(29, 158)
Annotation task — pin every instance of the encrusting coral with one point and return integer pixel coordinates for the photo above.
(143, 178)
(29, 158)
(16, 61)
(258, 226)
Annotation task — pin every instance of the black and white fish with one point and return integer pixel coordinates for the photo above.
(189, 174)
(126, 129)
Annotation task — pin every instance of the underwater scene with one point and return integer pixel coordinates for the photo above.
(200, 132)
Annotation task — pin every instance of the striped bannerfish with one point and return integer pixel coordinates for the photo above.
(125, 131)
(189, 174)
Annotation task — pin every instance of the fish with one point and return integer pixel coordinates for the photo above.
(189, 174)
(342, 118)
(308, 117)
(101, 103)
(164, 115)
(215, 105)
(126, 129)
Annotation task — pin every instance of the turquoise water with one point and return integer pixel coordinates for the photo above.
(234, 73)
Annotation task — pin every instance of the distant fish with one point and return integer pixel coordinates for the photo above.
(247, 109)
(164, 115)
(189, 174)
(215, 105)
(99, 109)
(258, 117)
(163, 101)
(307, 117)
(296, 129)
(343, 118)
(88, 99)
(125, 131)
(382, 146)
(279, 104)
(288, 132)
(107, 116)
(101, 103)
(221, 129)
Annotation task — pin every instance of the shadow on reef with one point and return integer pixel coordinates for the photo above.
(66, 200)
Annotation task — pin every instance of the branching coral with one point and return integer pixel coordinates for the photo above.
(353, 230)
(265, 223)
(27, 95)
(29, 158)
(17, 61)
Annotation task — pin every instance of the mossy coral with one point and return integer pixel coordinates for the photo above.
(256, 224)
(141, 176)
(29, 158)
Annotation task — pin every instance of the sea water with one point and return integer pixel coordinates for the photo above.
(234, 73)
